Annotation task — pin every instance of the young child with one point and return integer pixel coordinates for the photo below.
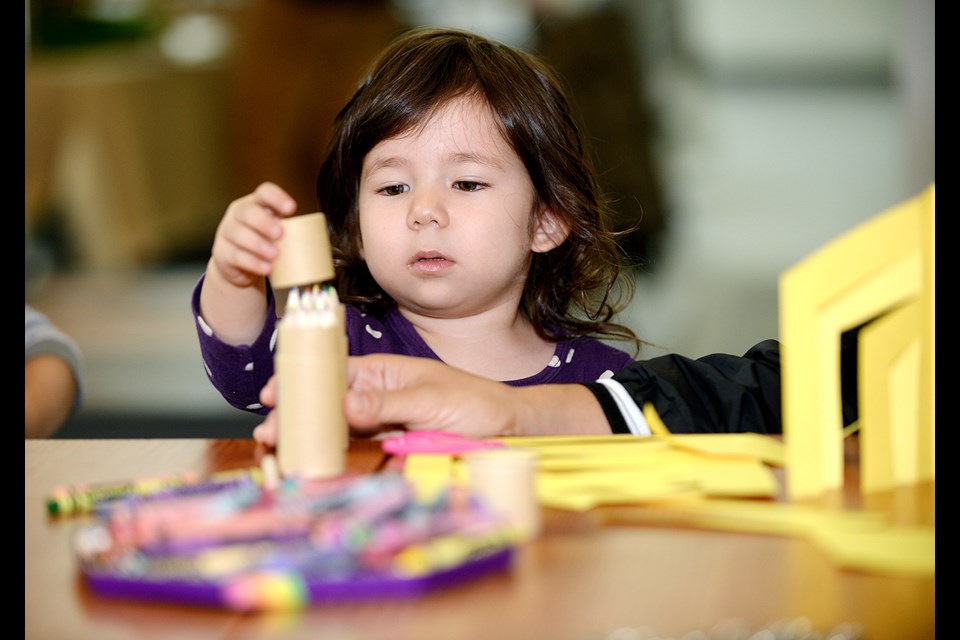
(465, 221)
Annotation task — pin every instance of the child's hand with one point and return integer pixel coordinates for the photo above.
(245, 244)
(266, 432)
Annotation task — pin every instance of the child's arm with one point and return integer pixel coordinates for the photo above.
(233, 300)
(50, 391)
(52, 375)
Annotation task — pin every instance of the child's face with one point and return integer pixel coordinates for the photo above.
(446, 215)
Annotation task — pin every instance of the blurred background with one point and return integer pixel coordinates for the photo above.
(736, 136)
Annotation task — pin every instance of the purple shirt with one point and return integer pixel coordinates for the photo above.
(239, 372)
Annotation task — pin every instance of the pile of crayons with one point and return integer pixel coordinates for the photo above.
(238, 542)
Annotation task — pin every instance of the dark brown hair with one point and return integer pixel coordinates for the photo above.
(573, 290)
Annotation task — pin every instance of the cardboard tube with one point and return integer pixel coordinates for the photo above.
(506, 479)
(305, 256)
(311, 364)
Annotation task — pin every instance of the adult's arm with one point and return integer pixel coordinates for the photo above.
(718, 393)
(388, 391)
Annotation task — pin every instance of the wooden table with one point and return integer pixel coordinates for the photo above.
(580, 580)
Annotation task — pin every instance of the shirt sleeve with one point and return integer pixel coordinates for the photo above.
(719, 393)
(42, 337)
(633, 420)
(238, 372)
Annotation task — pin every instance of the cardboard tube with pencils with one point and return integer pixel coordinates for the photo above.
(311, 355)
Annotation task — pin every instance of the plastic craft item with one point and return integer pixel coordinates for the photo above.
(247, 548)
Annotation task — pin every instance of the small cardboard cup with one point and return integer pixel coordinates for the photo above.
(305, 256)
(506, 479)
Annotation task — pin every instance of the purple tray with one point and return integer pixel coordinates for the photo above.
(208, 593)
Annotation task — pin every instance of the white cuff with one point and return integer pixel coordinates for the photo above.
(628, 408)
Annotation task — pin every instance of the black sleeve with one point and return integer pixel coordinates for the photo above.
(713, 394)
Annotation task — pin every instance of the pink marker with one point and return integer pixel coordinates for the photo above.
(435, 442)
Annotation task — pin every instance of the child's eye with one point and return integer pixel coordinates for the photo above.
(468, 185)
(394, 189)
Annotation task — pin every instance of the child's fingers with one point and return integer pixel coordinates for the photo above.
(234, 261)
(258, 240)
(268, 394)
(248, 213)
(266, 432)
(239, 253)
(259, 211)
(246, 241)
(273, 197)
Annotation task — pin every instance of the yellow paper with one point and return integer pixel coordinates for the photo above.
(852, 539)
(599, 452)
(581, 473)
(622, 447)
(586, 488)
(428, 473)
(583, 491)
(740, 479)
(607, 457)
(543, 442)
(737, 515)
(892, 550)
(889, 396)
(750, 445)
(857, 277)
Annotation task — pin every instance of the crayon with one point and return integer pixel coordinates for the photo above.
(375, 497)
(266, 591)
(271, 472)
(95, 550)
(445, 551)
(419, 522)
(104, 508)
(83, 498)
(191, 520)
(238, 514)
(331, 510)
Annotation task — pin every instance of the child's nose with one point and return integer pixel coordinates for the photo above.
(427, 209)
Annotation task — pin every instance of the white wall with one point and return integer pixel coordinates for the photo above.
(784, 124)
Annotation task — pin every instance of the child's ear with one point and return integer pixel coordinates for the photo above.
(549, 232)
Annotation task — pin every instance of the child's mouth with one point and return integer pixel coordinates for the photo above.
(430, 262)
